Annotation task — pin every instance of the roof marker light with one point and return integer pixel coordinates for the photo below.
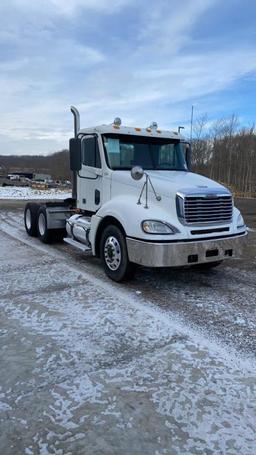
(137, 129)
(117, 121)
(153, 126)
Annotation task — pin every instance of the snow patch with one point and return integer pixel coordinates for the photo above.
(16, 192)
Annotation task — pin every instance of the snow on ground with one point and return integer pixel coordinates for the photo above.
(87, 370)
(16, 192)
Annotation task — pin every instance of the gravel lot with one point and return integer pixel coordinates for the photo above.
(162, 365)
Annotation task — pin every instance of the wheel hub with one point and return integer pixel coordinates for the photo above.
(112, 253)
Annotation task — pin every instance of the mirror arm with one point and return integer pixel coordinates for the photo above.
(157, 196)
(145, 185)
(140, 196)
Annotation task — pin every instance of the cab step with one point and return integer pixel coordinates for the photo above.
(78, 245)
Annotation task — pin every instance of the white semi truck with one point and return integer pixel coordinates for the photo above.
(135, 201)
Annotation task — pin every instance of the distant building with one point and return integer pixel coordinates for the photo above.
(45, 178)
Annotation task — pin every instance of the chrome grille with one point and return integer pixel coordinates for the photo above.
(207, 209)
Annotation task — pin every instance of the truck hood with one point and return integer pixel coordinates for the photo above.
(167, 183)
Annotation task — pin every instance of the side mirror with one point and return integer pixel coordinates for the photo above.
(188, 155)
(75, 154)
(137, 172)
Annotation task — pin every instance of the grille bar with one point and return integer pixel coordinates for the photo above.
(204, 204)
(215, 214)
(198, 206)
(203, 215)
(207, 210)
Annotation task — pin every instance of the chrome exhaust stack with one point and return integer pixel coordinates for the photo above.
(76, 115)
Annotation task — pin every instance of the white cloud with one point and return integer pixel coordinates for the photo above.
(148, 77)
(167, 25)
(70, 7)
(196, 75)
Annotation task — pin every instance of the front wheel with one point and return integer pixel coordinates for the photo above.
(114, 256)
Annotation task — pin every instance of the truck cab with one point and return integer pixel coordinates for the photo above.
(136, 201)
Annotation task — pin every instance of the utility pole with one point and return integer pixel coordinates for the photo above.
(191, 123)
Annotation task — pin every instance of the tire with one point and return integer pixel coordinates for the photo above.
(44, 234)
(207, 265)
(114, 256)
(30, 219)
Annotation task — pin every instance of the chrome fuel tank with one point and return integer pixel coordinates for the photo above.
(78, 228)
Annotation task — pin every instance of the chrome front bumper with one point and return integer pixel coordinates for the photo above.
(176, 254)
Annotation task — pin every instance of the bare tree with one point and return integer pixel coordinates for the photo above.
(226, 153)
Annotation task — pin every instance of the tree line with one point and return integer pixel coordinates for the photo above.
(56, 164)
(226, 153)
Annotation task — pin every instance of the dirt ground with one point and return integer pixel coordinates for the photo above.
(162, 365)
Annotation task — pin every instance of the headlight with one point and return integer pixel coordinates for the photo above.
(240, 222)
(180, 206)
(158, 227)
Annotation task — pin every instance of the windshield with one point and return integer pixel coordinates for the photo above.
(124, 152)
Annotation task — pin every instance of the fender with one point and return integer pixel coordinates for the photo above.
(130, 215)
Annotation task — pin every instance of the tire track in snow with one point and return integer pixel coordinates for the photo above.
(218, 305)
(137, 368)
(120, 292)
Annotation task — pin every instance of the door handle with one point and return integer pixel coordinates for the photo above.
(97, 197)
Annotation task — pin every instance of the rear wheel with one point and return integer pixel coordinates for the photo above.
(114, 256)
(30, 218)
(44, 233)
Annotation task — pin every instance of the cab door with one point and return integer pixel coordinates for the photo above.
(90, 176)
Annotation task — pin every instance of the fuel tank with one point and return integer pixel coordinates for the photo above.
(78, 228)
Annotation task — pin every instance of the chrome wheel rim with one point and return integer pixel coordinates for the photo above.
(41, 224)
(28, 219)
(112, 253)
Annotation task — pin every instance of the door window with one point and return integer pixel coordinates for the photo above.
(91, 153)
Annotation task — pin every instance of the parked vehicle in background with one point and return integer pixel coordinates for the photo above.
(13, 177)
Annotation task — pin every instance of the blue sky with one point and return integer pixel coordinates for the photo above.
(137, 59)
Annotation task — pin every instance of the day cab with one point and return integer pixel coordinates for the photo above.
(136, 201)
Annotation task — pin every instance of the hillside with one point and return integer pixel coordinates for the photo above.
(56, 164)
